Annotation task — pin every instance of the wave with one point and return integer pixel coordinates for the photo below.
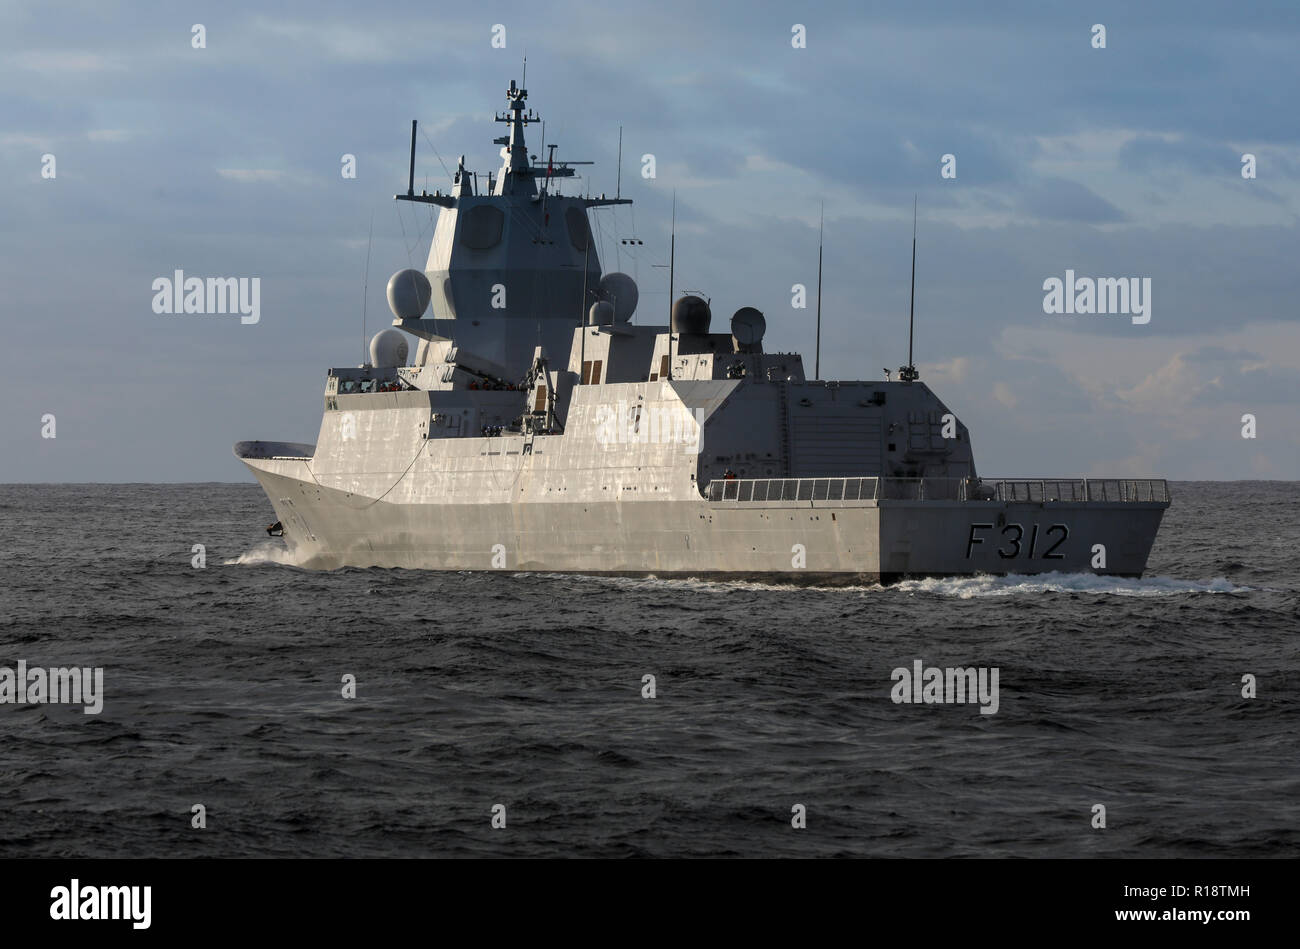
(967, 588)
(650, 582)
(267, 552)
(964, 588)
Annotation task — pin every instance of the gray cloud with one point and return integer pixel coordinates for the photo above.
(1057, 199)
(860, 119)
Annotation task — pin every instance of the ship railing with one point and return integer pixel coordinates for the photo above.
(1137, 490)
(370, 379)
(746, 490)
(1035, 490)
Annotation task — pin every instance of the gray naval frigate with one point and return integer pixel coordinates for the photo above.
(537, 428)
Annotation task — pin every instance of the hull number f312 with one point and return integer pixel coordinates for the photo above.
(1015, 541)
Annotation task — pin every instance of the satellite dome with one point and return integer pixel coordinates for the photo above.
(620, 290)
(691, 316)
(388, 348)
(601, 313)
(747, 329)
(408, 294)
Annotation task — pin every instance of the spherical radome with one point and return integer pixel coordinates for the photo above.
(388, 349)
(620, 290)
(691, 315)
(408, 294)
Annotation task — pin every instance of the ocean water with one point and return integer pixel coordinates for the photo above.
(223, 687)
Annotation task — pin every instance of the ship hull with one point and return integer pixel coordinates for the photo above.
(811, 541)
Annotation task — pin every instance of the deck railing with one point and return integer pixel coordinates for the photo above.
(750, 490)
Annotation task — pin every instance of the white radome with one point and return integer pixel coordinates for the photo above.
(388, 349)
(408, 294)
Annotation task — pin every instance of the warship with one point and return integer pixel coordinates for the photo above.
(533, 426)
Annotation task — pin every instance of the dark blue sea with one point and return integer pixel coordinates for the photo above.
(223, 687)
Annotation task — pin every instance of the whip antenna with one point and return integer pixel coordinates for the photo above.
(908, 373)
(821, 223)
(365, 285)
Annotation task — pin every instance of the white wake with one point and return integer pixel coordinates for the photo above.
(967, 588)
(267, 552)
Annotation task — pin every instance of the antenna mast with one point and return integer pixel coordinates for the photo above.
(365, 287)
(821, 223)
(618, 191)
(410, 181)
(582, 307)
(908, 373)
(672, 260)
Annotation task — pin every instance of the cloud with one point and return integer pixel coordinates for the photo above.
(1239, 377)
(62, 62)
(1112, 163)
(1056, 199)
(251, 175)
(1162, 156)
(25, 140)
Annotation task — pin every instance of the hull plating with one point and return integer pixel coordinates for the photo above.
(807, 541)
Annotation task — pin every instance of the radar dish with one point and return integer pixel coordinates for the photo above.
(620, 290)
(388, 348)
(408, 294)
(748, 327)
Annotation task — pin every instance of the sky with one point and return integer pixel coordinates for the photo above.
(225, 160)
